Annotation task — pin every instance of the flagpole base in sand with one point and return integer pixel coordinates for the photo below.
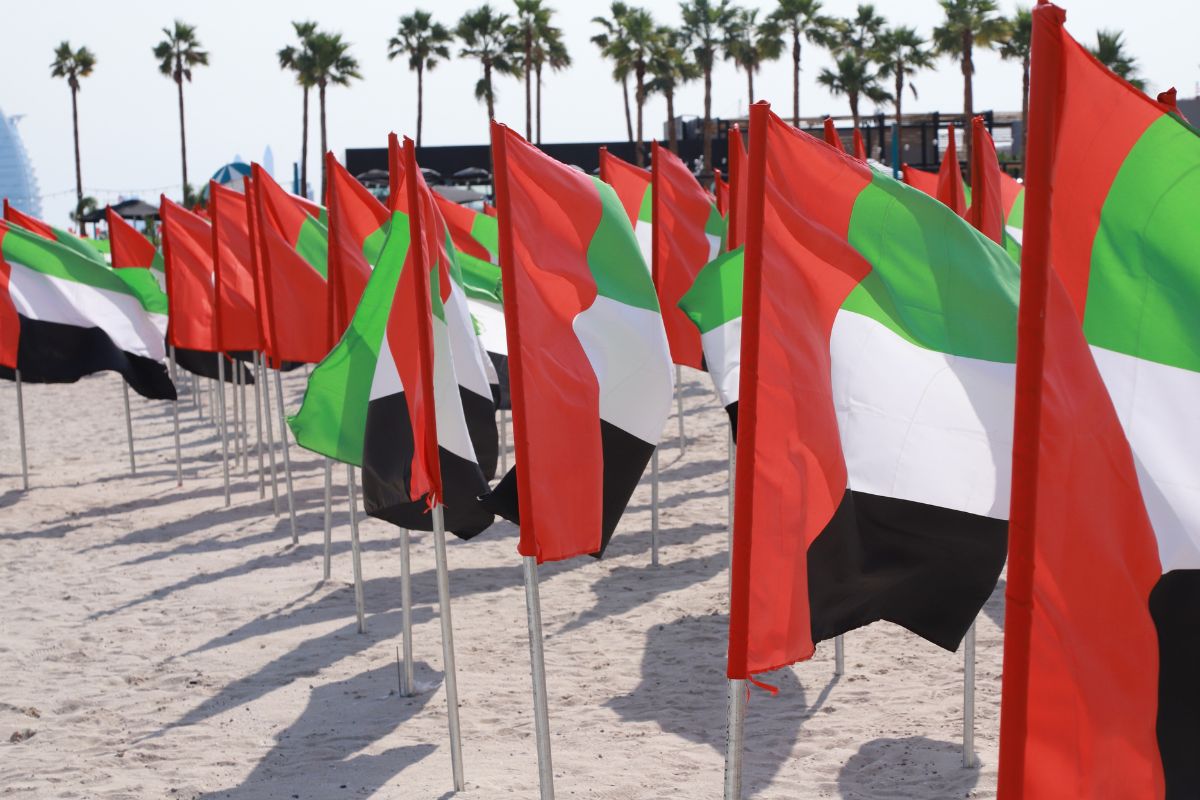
(287, 459)
(734, 739)
(503, 442)
(407, 682)
(679, 407)
(839, 656)
(266, 404)
(21, 434)
(968, 734)
(537, 668)
(175, 413)
(356, 555)
(654, 508)
(129, 428)
(221, 423)
(258, 428)
(450, 678)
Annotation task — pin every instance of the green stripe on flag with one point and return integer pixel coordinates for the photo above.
(716, 295)
(615, 257)
(144, 286)
(486, 231)
(373, 244)
(935, 281)
(646, 210)
(333, 416)
(313, 245)
(58, 261)
(1016, 215)
(1144, 289)
(480, 279)
(82, 246)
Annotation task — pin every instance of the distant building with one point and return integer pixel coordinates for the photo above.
(17, 180)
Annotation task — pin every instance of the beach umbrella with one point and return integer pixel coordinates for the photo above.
(232, 175)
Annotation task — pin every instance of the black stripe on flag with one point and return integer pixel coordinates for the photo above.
(54, 352)
(204, 364)
(625, 459)
(480, 415)
(500, 392)
(1175, 607)
(387, 474)
(926, 568)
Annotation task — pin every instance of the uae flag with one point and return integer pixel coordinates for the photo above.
(735, 217)
(356, 408)
(233, 271)
(919, 179)
(721, 190)
(714, 305)
(357, 229)
(475, 238)
(292, 250)
(688, 232)
(67, 239)
(832, 137)
(63, 316)
(875, 407)
(1101, 693)
(632, 185)
(590, 366)
(950, 189)
(990, 206)
(136, 261)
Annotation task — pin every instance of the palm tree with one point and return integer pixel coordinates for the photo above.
(614, 45)
(423, 41)
(669, 68)
(856, 77)
(73, 65)
(298, 58)
(858, 34)
(332, 64)
(486, 36)
(1110, 51)
(900, 52)
(549, 52)
(641, 34)
(802, 19)
(968, 23)
(177, 55)
(704, 23)
(750, 43)
(1017, 48)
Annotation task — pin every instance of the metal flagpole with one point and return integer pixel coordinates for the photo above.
(221, 423)
(329, 513)
(537, 667)
(679, 406)
(245, 422)
(654, 508)
(287, 460)
(356, 554)
(198, 398)
(237, 439)
(734, 739)
(839, 656)
(129, 428)
(212, 399)
(503, 441)
(450, 677)
(262, 482)
(266, 404)
(175, 410)
(407, 684)
(21, 433)
(732, 459)
(968, 735)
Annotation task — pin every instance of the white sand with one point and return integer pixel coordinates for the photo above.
(172, 647)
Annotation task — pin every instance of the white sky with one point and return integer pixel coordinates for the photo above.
(242, 102)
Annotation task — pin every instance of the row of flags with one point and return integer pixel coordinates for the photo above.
(905, 365)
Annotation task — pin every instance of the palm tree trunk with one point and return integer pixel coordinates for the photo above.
(672, 136)
(641, 101)
(487, 88)
(304, 148)
(853, 97)
(78, 175)
(528, 85)
(182, 140)
(968, 69)
(420, 100)
(706, 135)
(899, 103)
(796, 76)
(538, 74)
(750, 86)
(324, 146)
(628, 117)
(1024, 112)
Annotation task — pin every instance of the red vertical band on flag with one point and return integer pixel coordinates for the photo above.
(736, 230)
(549, 214)
(31, 224)
(986, 213)
(354, 214)
(791, 475)
(860, 149)
(187, 254)
(10, 322)
(410, 332)
(681, 208)
(629, 182)
(832, 137)
(260, 288)
(1080, 680)
(926, 182)
(721, 190)
(236, 315)
(127, 246)
(950, 182)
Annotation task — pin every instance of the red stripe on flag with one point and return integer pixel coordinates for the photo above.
(949, 181)
(354, 214)
(236, 314)
(31, 224)
(127, 246)
(10, 322)
(629, 182)
(986, 213)
(187, 254)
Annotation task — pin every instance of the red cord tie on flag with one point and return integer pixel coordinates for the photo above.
(774, 690)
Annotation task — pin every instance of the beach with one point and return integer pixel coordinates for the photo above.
(155, 643)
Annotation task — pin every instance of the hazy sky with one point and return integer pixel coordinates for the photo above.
(242, 102)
